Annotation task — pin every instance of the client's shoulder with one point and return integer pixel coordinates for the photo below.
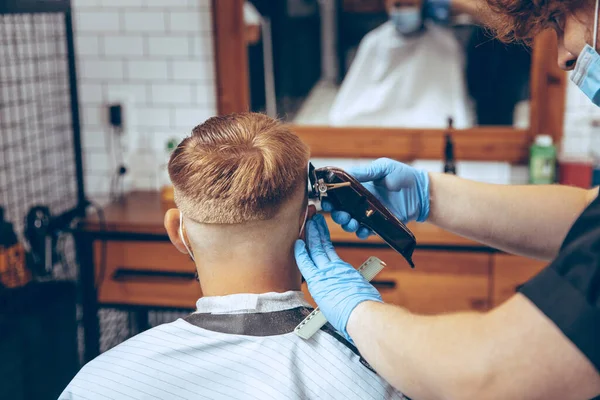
(342, 368)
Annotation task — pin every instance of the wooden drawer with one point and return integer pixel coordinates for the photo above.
(146, 273)
(511, 271)
(434, 293)
(441, 282)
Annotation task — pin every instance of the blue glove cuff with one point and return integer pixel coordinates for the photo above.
(348, 310)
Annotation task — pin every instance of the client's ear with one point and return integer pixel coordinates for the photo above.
(172, 226)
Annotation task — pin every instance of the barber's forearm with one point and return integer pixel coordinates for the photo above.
(472, 7)
(478, 9)
(525, 220)
(421, 356)
(501, 354)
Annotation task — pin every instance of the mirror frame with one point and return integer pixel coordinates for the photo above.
(489, 143)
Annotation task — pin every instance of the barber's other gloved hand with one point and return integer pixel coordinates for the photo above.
(404, 190)
(335, 285)
(437, 10)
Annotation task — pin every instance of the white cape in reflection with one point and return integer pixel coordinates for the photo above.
(413, 82)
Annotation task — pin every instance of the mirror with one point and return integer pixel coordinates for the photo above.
(243, 38)
(352, 63)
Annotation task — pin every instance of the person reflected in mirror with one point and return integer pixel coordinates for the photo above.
(408, 72)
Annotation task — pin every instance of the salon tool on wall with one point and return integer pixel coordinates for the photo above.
(13, 271)
(316, 320)
(347, 194)
(115, 147)
(42, 240)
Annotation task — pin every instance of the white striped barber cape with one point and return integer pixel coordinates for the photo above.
(233, 347)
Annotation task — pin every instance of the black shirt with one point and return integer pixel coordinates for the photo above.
(568, 290)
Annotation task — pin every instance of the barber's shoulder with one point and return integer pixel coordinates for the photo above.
(585, 229)
(529, 336)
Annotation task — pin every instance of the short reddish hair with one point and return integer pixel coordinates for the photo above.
(523, 19)
(237, 168)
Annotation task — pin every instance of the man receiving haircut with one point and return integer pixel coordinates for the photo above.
(240, 188)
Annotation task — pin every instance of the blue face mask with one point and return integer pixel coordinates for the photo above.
(407, 20)
(587, 70)
(587, 74)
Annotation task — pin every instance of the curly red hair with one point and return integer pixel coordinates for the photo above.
(522, 20)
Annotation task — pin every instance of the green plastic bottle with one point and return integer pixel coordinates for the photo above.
(542, 161)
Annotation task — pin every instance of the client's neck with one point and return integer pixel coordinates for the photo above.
(250, 268)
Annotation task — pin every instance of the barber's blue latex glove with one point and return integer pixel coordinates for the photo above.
(404, 190)
(437, 10)
(335, 285)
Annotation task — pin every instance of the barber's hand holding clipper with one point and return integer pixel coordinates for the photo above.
(335, 285)
(402, 189)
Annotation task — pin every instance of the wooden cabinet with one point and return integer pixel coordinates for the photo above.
(511, 271)
(443, 281)
(464, 276)
(156, 274)
(145, 273)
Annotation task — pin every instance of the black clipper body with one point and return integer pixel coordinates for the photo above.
(349, 195)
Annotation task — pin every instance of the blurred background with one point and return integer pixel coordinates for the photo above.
(95, 94)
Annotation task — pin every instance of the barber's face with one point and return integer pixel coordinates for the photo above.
(573, 31)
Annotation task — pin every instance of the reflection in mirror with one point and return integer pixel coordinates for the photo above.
(381, 63)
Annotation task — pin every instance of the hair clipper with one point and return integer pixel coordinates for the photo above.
(347, 194)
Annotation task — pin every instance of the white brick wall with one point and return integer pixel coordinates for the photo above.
(90, 93)
(121, 3)
(121, 45)
(98, 21)
(88, 45)
(154, 117)
(156, 58)
(188, 70)
(136, 93)
(202, 46)
(580, 136)
(147, 70)
(185, 22)
(165, 46)
(146, 21)
(187, 118)
(171, 93)
(94, 140)
(100, 70)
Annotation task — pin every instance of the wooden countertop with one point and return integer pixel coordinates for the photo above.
(143, 212)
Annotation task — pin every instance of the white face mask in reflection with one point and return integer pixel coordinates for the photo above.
(182, 237)
(406, 20)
